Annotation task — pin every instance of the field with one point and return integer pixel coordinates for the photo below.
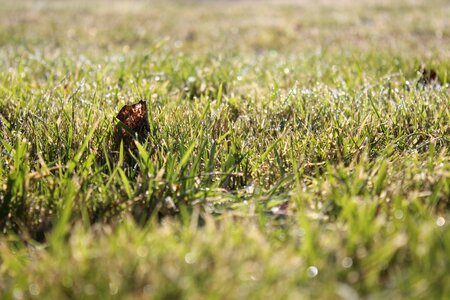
(295, 150)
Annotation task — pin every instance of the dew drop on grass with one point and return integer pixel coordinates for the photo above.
(312, 271)
(35, 290)
(347, 262)
(440, 221)
(18, 294)
(398, 214)
(190, 258)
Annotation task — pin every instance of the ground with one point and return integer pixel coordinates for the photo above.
(294, 149)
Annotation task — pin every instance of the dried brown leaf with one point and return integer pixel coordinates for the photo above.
(133, 124)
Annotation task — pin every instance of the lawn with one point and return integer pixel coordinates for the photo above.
(294, 149)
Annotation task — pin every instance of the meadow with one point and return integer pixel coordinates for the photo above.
(295, 150)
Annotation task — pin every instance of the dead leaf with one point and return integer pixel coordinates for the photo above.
(133, 124)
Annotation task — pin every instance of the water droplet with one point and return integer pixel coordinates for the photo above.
(34, 289)
(312, 271)
(440, 221)
(190, 258)
(398, 214)
(347, 262)
(17, 294)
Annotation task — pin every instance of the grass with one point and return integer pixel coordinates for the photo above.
(295, 150)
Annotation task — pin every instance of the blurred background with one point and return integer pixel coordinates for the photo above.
(416, 27)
